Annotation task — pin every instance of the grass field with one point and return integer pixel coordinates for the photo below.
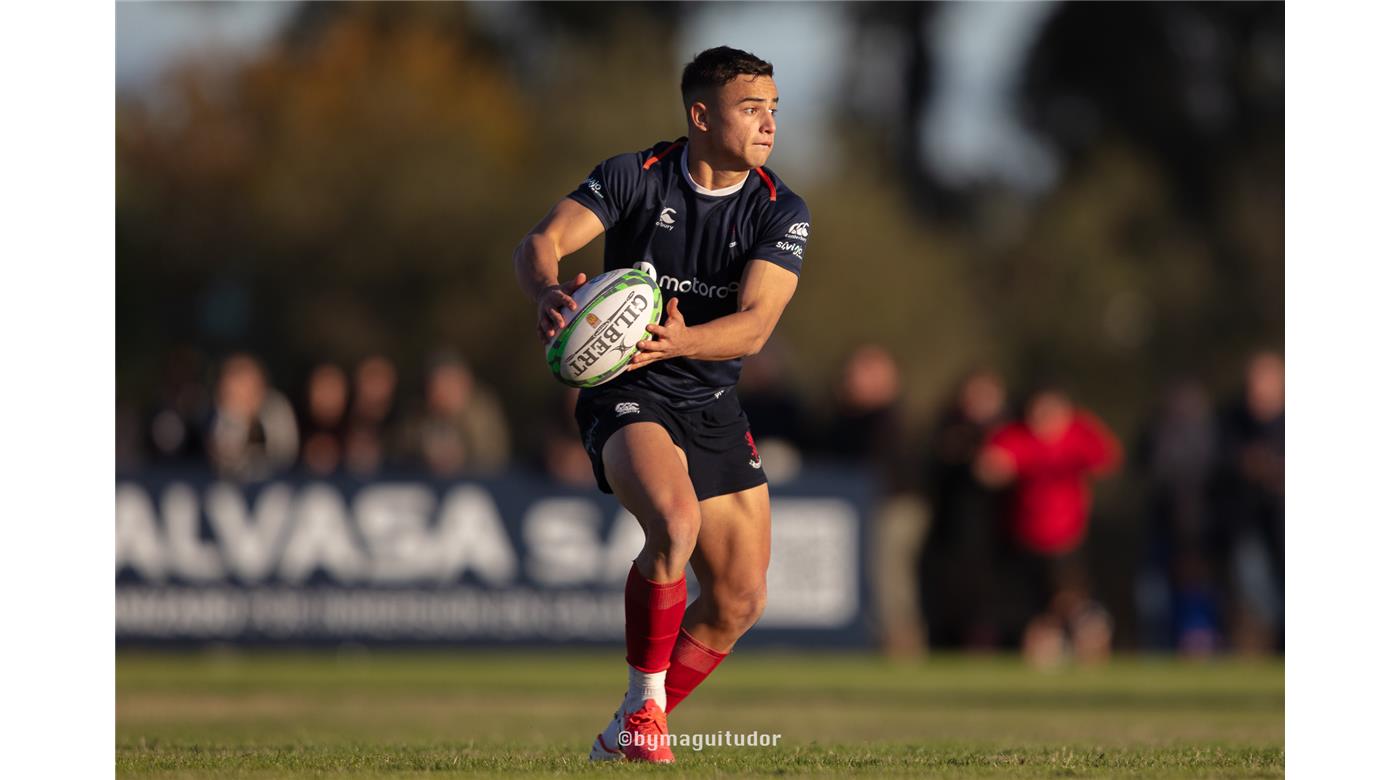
(468, 713)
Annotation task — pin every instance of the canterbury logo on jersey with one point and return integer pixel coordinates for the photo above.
(798, 230)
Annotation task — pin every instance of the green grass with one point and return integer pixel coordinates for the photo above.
(468, 713)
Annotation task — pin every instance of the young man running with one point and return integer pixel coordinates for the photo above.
(724, 238)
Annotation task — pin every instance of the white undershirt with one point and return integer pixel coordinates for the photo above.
(685, 166)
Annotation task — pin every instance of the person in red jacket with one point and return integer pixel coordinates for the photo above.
(1049, 459)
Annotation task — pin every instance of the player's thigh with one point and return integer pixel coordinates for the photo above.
(736, 540)
(647, 472)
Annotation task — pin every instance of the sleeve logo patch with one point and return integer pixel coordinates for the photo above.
(627, 407)
(788, 246)
(595, 186)
(798, 230)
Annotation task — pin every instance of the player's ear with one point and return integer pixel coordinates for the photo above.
(699, 115)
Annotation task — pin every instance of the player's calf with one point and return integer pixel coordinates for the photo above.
(720, 617)
(727, 612)
(737, 610)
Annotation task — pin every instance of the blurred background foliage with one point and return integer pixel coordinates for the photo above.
(358, 186)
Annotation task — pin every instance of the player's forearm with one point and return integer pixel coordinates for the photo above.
(536, 265)
(732, 336)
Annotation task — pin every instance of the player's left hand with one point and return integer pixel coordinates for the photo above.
(667, 341)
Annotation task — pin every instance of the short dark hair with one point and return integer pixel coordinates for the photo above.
(713, 68)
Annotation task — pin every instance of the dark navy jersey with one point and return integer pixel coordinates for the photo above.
(699, 245)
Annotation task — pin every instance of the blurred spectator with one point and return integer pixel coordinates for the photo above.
(327, 402)
(254, 431)
(866, 429)
(964, 557)
(175, 426)
(1177, 598)
(775, 414)
(461, 429)
(1195, 606)
(865, 421)
(371, 413)
(1048, 458)
(1251, 503)
(561, 454)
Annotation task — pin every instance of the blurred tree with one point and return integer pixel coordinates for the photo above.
(359, 186)
(1160, 248)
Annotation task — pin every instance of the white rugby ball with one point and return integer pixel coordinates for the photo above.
(601, 335)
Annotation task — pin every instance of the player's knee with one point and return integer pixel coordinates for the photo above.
(672, 534)
(679, 522)
(740, 608)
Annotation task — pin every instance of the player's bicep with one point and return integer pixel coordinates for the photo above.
(569, 226)
(765, 289)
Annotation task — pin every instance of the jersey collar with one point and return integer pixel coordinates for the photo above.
(719, 193)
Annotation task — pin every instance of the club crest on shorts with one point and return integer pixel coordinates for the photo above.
(754, 460)
(627, 407)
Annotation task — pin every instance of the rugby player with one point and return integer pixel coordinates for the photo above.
(724, 237)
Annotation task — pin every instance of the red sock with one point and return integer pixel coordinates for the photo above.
(654, 611)
(691, 663)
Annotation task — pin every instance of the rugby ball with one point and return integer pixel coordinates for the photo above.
(601, 335)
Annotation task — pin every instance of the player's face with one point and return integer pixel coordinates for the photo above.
(744, 120)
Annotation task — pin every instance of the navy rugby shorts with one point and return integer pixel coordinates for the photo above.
(718, 447)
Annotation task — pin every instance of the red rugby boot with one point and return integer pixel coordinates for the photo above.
(647, 738)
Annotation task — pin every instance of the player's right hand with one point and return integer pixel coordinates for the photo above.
(552, 300)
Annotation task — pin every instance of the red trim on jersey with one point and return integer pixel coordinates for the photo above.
(772, 191)
(655, 158)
